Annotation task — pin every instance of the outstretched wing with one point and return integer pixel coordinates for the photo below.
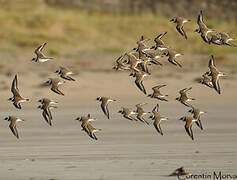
(38, 51)
(104, 109)
(14, 130)
(14, 86)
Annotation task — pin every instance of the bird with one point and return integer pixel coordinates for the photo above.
(127, 113)
(160, 45)
(17, 99)
(104, 104)
(180, 173)
(152, 57)
(133, 61)
(120, 65)
(172, 55)
(206, 81)
(196, 115)
(157, 94)
(141, 46)
(92, 130)
(40, 57)
(85, 120)
(215, 39)
(215, 74)
(140, 113)
(65, 73)
(203, 29)
(184, 99)
(46, 104)
(140, 75)
(157, 119)
(188, 125)
(148, 58)
(13, 121)
(55, 83)
(226, 39)
(177, 171)
(180, 21)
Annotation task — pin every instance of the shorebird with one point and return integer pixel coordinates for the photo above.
(13, 120)
(143, 65)
(160, 45)
(196, 115)
(92, 130)
(188, 125)
(203, 29)
(180, 173)
(17, 98)
(127, 113)
(157, 94)
(148, 58)
(85, 121)
(140, 75)
(120, 65)
(46, 104)
(141, 46)
(133, 61)
(157, 119)
(55, 83)
(206, 81)
(104, 104)
(40, 57)
(215, 74)
(215, 39)
(226, 39)
(65, 73)
(152, 57)
(140, 113)
(180, 21)
(184, 98)
(172, 56)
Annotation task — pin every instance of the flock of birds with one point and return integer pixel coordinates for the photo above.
(137, 62)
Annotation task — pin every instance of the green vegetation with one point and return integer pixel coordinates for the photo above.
(70, 31)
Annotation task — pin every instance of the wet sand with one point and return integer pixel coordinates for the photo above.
(124, 150)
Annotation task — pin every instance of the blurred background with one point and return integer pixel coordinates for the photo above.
(83, 34)
(95, 28)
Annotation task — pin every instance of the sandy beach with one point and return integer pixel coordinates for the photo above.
(125, 149)
(87, 37)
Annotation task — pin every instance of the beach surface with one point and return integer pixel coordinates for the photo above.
(124, 149)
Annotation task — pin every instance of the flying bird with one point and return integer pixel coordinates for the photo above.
(65, 73)
(180, 21)
(188, 125)
(17, 99)
(215, 74)
(13, 121)
(157, 94)
(55, 83)
(104, 104)
(40, 57)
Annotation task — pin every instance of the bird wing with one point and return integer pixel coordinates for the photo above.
(156, 127)
(38, 51)
(211, 62)
(14, 86)
(14, 130)
(103, 107)
(181, 31)
(216, 85)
